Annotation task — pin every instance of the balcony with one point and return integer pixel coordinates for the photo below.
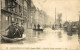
(11, 12)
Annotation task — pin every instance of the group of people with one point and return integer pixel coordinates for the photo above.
(38, 26)
(15, 31)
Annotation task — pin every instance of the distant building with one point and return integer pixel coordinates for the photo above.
(20, 11)
(40, 17)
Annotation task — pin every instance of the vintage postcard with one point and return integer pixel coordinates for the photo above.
(39, 24)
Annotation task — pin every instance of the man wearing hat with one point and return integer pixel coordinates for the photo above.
(11, 31)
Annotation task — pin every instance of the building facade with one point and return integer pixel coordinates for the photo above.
(13, 10)
(21, 11)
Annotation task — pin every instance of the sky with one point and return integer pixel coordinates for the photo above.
(69, 9)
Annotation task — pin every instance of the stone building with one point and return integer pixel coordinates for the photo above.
(14, 10)
(20, 11)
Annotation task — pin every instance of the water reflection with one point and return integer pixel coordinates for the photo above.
(55, 35)
(69, 33)
(59, 34)
(73, 34)
(37, 33)
(79, 36)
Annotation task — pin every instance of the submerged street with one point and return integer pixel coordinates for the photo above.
(39, 24)
(51, 38)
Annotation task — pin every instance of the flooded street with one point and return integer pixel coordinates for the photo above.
(36, 24)
(51, 38)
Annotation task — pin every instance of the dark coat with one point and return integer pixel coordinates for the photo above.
(38, 26)
(17, 33)
(11, 31)
(21, 30)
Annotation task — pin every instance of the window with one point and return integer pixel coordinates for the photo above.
(6, 18)
(12, 19)
(19, 8)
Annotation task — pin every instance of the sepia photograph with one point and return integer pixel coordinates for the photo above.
(39, 24)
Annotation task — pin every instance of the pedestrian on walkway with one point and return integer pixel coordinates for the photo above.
(11, 31)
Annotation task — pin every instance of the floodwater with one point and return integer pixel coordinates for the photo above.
(51, 39)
